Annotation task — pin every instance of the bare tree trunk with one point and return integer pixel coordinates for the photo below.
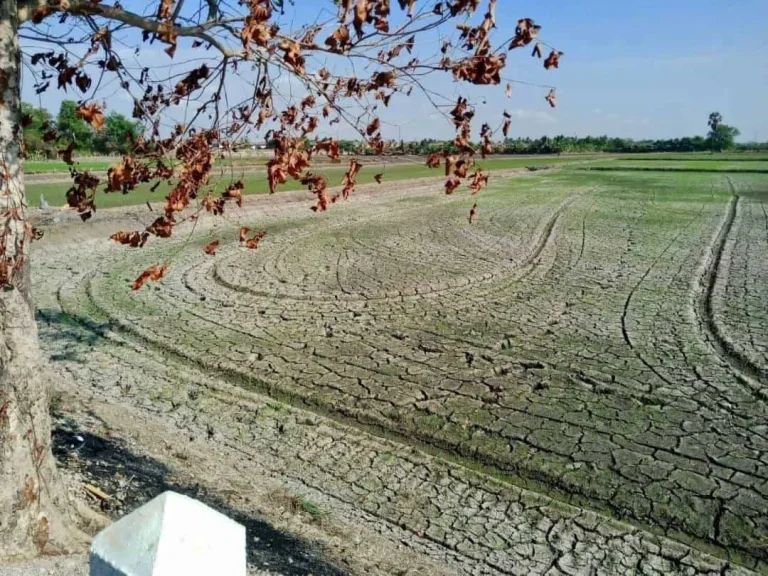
(34, 509)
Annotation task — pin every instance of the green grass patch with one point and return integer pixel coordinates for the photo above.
(256, 183)
(711, 164)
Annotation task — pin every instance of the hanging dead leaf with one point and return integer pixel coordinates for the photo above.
(478, 181)
(451, 184)
(93, 114)
(553, 60)
(235, 192)
(473, 213)
(134, 239)
(154, 273)
(210, 248)
(339, 41)
(551, 98)
(433, 160)
(253, 242)
(162, 227)
(67, 154)
(373, 127)
(361, 16)
(525, 32)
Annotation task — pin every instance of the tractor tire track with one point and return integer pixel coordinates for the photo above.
(628, 301)
(752, 376)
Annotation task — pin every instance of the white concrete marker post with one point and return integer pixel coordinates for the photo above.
(170, 536)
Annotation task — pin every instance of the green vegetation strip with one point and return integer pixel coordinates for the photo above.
(720, 170)
(256, 182)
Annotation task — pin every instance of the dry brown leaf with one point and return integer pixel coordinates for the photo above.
(553, 60)
(134, 239)
(154, 273)
(210, 248)
(66, 154)
(253, 242)
(373, 127)
(451, 184)
(433, 160)
(473, 213)
(551, 98)
(93, 114)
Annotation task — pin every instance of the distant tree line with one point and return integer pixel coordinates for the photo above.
(119, 132)
(720, 138)
(44, 135)
(723, 141)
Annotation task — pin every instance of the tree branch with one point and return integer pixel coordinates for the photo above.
(86, 8)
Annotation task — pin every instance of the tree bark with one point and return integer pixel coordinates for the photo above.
(34, 508)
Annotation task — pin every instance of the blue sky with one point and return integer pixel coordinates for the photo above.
(642, 69)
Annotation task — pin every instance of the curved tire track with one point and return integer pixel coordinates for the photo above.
(747, 372)
(628, 301)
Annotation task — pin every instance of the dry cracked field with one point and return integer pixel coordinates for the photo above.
(576, 383)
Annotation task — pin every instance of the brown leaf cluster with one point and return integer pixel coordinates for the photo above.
(133, 239)
(82, 193)
(318, 185)
(235, 192)
(339, 41)
(375, 12)
(329, 146)
(257, 29)
(482, 70)
(196, 161)
(473, 59)
(290, 159)
(162, 227)
(525, 33)
(191, 82)
(478, 181)
(484, 66)
(127, 175)
(292, 56)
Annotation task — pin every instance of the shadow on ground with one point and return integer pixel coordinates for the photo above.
(107, 462)
(71, 335)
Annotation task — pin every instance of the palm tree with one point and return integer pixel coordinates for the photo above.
(715, 119)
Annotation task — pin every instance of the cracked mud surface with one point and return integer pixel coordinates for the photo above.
(597, 343)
